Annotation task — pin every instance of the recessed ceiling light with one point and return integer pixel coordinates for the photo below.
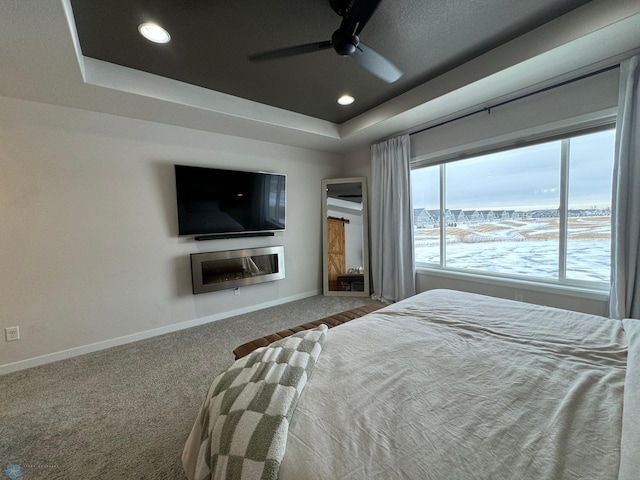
(346, 100)
(154, 33)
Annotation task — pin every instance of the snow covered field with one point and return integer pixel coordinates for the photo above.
(523, 247)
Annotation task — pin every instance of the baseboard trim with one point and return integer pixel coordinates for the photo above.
(136, 337)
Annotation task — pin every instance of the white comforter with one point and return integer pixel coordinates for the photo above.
(452, 386)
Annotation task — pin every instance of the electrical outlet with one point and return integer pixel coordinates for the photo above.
(12, 333)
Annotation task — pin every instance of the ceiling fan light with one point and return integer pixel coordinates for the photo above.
(154, 33)
(346, 100)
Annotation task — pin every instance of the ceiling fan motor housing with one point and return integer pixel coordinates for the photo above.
(341, 7)
(344, 43)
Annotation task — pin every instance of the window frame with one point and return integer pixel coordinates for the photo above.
(591, 289)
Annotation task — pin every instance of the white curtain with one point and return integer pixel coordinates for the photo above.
(392, 265)
(624, 300)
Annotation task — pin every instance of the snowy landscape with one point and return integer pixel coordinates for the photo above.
(526, 246)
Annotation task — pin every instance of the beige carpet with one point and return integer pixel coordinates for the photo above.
(126, 412)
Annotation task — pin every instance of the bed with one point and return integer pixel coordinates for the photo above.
(444, 385)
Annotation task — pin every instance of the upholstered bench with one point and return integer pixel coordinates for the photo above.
(331, 321)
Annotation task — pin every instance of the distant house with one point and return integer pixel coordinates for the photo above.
(423, 218)
(450, 218)
(434, 217)
(507, 215)
(419, 217)
(590, 212)
(489, 216)
(551, 213)
(475, 217)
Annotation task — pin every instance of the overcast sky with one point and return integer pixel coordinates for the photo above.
(529, 179)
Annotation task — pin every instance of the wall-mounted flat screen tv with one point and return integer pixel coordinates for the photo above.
(218, 201)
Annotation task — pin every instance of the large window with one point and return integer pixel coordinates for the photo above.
(540, 212)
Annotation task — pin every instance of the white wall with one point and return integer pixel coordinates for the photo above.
(89, 250)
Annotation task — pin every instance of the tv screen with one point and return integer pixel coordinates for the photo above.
(217, 201)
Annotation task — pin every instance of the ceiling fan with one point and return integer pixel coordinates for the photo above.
(345, 41)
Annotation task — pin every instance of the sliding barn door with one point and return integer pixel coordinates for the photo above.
(336, 247)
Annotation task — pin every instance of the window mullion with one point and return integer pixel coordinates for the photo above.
(443, 226)
(563, 209)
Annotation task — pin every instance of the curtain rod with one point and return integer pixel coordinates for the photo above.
(550, 87)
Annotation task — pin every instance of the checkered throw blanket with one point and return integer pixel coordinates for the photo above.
(241, 430)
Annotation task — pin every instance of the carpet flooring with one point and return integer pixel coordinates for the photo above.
(126, 412)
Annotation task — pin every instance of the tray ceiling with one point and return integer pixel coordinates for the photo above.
(211, 41)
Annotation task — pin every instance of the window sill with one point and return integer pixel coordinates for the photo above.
(592, 293)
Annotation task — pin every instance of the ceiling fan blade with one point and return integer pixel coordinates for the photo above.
(291, 51)
(361, 12)
(376, 63)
